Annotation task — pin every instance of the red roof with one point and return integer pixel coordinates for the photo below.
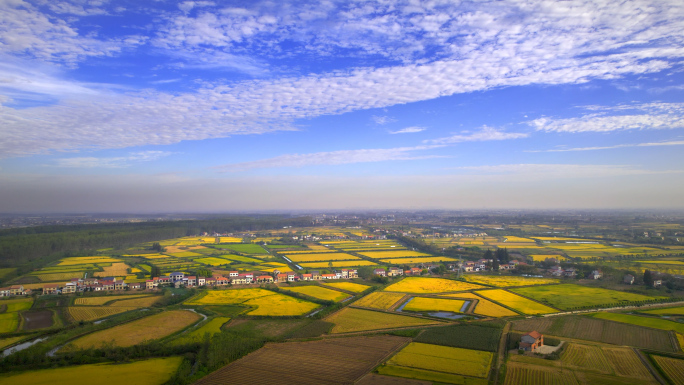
(533, 334)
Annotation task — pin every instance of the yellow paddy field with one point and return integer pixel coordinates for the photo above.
(97, 301)
(348, 286)
(417, 260)
(420, 285)
(133, 333)
(393, 254)
(337, 264)
(86, 260)
(267, 303)
(379, 300)
(155, 371)
(319, 292)
(308, 257)
(485, 307)
(354, 320)
(516, 302)
(421, 304)
(506, 281)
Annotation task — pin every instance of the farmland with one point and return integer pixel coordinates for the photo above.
(319, 292)
(569, 296)
(413, 260)
(485, 307)
(9, 320)
(92, 313)
(507, 281)
(155, 371)
(320, 257)
(424, 304)
(679, 310)
(650, 322)
(136, 332)
(470, 336)
(266, 302)
(354, 320)
(337, 264)
(115, 270)
(419, 285)
(185, 254)
(96, 301)
(328, 361)
(379, 300)
(212, 327)
(516, 302)
(51, 277)
(245, 248)
(419, 358)
(86, 260)
(525, 374)
(593, 329)
(672, 367)
(393, 254)
(348, 286)
(213, 261)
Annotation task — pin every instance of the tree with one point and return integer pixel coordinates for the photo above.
(495, 264)
(648, 278)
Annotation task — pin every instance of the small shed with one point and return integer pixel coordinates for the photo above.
(531, 341)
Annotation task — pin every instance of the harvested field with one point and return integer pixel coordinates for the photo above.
(348, 286)
(37, 319)
(485, 307)
(586, 357)
(311, 257)
(354, 263)
(329, 361)
(355, 320)
(424, 304)
(97, 301)
(569, 296)
(626, 363)
(319, 292)
(136, 332)
(92, 313)
(592, 329)
(115, 270)
(507, 281)
(379, 300)
(376, 379)
(420, 285)
(672, 367)
(524, 374)
(516, 302)
(155, 371)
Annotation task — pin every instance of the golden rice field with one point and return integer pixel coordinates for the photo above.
(59, 276)
(440, 359)
(518, 239)
(155, 371)
(516, 302)
(266, 301)
(543, 257)
(213, 261)
(393, 254)
(420, 285)
(115, 270)
(337, 264)
(673, 368)
(239, 258)
(397, 261)
(354, 320)
(319, 292)
(348, 286)
(485, 307)
(379, 300)
(185, 254)
(197, 335)
(148, 256)
(137, 302)
(97, 301)
(322, 250)
(92, 313)
(424, 304)
(230, 240)
(271, 269)
(506, 281)
(85, 260)
(136, 332)
(321, 257)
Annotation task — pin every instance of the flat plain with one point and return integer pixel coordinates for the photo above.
(516, 302)
(569, 296)
(420, 285)
(354, 320)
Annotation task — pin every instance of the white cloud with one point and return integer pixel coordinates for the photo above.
(409, 130)
(333, 158)
(112, 162)
(652, 116)
(649, 144)
(485, 134)
(382, 120)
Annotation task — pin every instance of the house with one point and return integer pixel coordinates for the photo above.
(201, 281)
(416, 270)
(291, 276)
(307, 277)
(281, 278)
(329, 276)
(107, 285)
(556, 271)
(380, 272)
(4, 292)
(233, 274)
(628, 279)
(70, 288)
(596, 274)
(657, 282)
(222, 280)
(192, 281)
(395, 271)
(52, 288)
(210, 281)
(16, 289)
(344, 273)
(119, 285)
(316, 275)
(353, 273)
(269, 279)
(149, 284)
(531, 341)
(176, 276)
(135, 285)
(570, 272)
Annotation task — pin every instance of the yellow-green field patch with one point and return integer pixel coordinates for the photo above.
(319, 292)
(516, 302)
(379, 300)
(354, 320)
(393, 254)
(420, 285)
(316, 265)
(425, 304)
(348, 286)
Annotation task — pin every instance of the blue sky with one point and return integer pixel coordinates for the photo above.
(250, 105)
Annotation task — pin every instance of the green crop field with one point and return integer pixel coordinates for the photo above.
(463, 336)
(655, 323)
(679, 310)
(569, 296)
(245, 248)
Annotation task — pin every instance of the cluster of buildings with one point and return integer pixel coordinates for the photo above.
(570, 272)
(14, 290)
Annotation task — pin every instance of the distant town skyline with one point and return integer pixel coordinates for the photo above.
(201, 106)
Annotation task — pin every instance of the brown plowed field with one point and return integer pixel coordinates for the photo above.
(330, 361)
(37, 319)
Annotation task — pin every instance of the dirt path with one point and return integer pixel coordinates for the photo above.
(650, 368)
(501, 356)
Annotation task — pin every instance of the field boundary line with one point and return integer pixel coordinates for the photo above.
(501, 353)
(650, 368)
(398, 303)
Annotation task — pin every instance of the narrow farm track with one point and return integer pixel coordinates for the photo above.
(501, 355)
(650, 367)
